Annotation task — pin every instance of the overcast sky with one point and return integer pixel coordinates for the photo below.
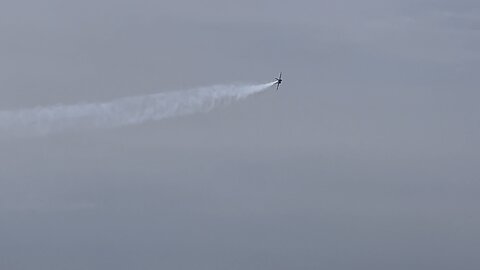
(366, 158)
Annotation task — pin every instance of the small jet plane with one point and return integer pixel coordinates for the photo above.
(278, 80)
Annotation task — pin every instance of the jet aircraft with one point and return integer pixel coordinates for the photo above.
(278, 80)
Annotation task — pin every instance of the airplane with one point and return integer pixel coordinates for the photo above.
(278, 80)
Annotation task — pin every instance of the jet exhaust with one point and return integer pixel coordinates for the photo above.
(121, 112)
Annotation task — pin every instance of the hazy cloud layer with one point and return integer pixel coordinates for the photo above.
(366, 158)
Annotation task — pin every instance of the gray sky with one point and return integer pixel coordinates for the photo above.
(366, 158)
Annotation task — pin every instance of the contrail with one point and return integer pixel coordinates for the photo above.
(121, 112)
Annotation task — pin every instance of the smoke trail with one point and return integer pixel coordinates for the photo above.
(120, 112)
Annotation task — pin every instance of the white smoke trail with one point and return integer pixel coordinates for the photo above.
(120, 112)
